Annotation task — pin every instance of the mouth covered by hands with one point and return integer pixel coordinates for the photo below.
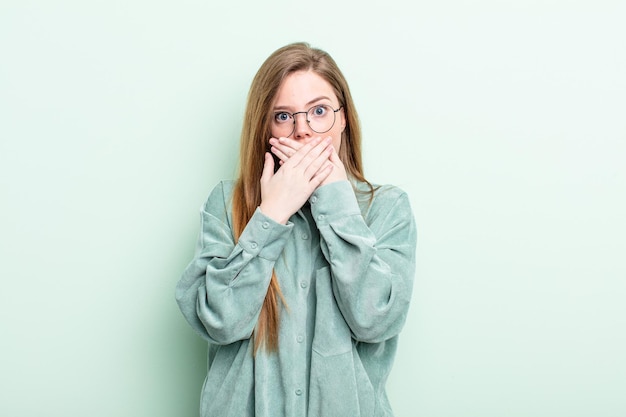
(304, 166)
(284, 148)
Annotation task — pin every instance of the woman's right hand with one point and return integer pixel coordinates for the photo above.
(283, 192)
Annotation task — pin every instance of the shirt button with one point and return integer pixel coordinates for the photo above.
(253, 245)
(320, 217)
(305, 236)
(265, 225)
(298, 391)
(300, 339)
(314, 199)
(304, 284)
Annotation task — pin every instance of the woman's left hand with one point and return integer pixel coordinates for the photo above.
(283, 148)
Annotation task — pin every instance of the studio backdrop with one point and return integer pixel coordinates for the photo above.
(503, 120)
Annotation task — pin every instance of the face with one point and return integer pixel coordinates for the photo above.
(299, 92)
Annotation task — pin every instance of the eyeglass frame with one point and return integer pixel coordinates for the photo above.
(308, 122)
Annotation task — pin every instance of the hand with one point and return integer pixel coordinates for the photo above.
(284, 148)
(339, 170)
(283, 192)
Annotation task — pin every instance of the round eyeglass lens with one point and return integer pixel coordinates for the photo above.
(321, 118)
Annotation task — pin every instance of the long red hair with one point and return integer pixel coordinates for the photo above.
(255, 136)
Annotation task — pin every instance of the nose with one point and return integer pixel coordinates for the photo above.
(301, 128)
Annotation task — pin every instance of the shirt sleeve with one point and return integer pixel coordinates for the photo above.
(371, 256)
(222, 289)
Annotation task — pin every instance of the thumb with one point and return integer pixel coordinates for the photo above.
(268, 167)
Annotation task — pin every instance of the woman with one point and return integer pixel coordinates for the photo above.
(303, 271)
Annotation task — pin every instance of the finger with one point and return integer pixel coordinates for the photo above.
(282, 156)
(319, 163)
(309, 152)
(282, 151)
(334, 157)
(321, 175)
(268, 167)
(294, 144)
(287, 146)
(290, 146)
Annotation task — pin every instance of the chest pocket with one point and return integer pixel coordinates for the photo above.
(332, 335)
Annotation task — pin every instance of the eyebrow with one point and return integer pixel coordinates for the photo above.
(315, 100)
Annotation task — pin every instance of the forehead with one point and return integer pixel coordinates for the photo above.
(302, 88)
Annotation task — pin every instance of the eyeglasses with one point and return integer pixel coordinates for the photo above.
(321, 118)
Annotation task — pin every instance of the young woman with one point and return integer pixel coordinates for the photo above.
(303, 271)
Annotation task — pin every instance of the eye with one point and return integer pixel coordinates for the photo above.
(319, 111)
(282, 117)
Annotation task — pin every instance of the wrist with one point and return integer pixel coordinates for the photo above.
(275, 214)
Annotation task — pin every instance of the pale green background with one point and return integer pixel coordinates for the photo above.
(505, 122)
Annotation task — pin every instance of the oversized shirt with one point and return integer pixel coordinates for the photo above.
(345, 266)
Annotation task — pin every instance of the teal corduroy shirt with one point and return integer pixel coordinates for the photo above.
(345, 267)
